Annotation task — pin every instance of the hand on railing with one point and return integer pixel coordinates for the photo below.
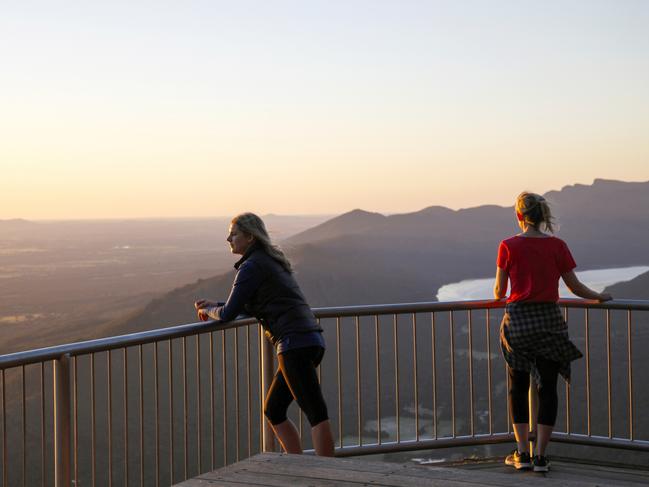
(201, 308)
(204, 303)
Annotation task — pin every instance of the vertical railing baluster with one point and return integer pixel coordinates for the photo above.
(5, 463)
(471, 391)
(198, 406)
(248, 391)
(507, 403)
(414, 371)
(260, 389)
(587, 340)
(359, 398)
(43, 425)
(608, 371)
(630, 373)
(75, 420)
(61, 386)
(319, 369)
(24, 424)
(300, 426)
(156, 390)
(433, 353)
(171, 410)
(141, 383)
(185, 406)
(396, 376)
(236, 391)
(126, 457)
(489, 385)
(340, 393)
(224, 382)
(568, 423)
(93, 420)
(452, 345)
(110, 416)
(378, 379)
(212, 412)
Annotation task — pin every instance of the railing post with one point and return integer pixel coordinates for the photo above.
(267, 368)
(61, 372)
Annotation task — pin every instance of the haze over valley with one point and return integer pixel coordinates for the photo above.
(64, 281)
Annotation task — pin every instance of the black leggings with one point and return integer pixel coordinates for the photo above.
(296, 378)
(519, 381)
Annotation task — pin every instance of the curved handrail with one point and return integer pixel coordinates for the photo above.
(151, 336)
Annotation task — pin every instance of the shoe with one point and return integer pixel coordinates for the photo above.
(518, 460)
(541, 463)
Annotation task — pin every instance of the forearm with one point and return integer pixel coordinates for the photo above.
(222, 312)
(246, 282)
(500, 284)
(583, 291)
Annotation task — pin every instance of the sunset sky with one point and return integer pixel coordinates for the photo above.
(208, 108)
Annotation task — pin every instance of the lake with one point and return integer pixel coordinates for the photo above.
(483, 288)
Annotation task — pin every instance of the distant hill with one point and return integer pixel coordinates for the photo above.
(606, 223)
(355, 221)
(365, 258)
(637, 288)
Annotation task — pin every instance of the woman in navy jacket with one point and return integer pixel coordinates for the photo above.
(265, 288)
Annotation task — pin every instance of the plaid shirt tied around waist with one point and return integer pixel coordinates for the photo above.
(531, 330)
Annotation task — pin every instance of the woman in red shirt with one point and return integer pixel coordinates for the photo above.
(533, 335)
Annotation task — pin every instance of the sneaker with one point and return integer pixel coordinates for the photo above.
(541, 463)
(518, 460)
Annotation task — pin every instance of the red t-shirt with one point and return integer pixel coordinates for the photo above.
(534, 266)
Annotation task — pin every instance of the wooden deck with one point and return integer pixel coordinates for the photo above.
(275, 469)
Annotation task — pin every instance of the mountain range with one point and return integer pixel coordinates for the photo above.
(368, 258)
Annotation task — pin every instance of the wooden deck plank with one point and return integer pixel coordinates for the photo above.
(330, 477)
(274, 470)
(571, 470)
(405, 475)
(504, 476)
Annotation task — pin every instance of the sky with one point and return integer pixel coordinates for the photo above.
(210, 108)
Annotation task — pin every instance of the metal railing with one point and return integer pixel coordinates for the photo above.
(157, 407)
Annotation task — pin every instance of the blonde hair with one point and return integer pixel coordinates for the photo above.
(535, 210)
(253, 225)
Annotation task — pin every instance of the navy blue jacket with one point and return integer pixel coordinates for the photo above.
(263, 288)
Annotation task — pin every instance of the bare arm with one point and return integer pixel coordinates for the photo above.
(500, 285)
(579, 289)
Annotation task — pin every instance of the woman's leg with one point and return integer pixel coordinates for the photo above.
(277, 401)
(548, 402)
(288, 436)
(299, 369)
(323, 440)
(519, 384)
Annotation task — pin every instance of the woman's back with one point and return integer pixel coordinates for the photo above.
(534, 266)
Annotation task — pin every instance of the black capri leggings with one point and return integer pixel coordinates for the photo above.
(548, 400)
(296, 378)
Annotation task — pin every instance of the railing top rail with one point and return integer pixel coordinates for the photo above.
(152, 336)
(436, 306)
(115, 342)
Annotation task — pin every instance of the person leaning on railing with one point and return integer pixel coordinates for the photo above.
(265, 288)
(533, 334)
